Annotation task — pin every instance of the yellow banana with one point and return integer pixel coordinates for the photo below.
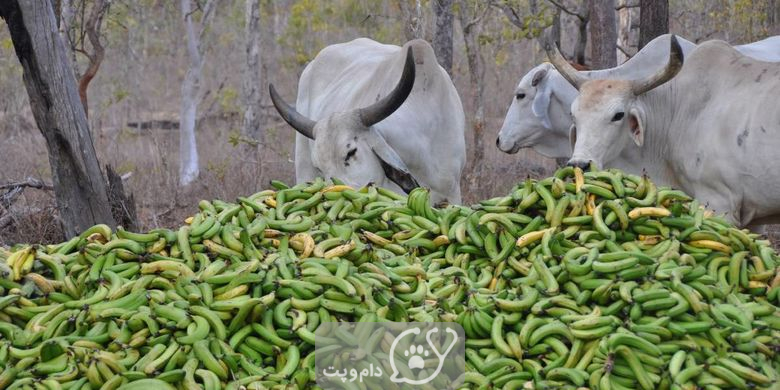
(648, 212)
(340, 250)
(337, 188)
(531, 237)
(579, 179)
(710, 244)
(375, 238)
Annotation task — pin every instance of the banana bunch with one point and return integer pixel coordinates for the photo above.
(593, 279)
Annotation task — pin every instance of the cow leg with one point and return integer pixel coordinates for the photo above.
(304, 168)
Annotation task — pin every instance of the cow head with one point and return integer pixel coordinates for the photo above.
(608, 114)
(528, 120)
(346, 146)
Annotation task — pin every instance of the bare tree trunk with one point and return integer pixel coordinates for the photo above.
(470, 23)
(603, 33)
(653, 20)
(65, 25)
(92, 27)
(252, 72)
(442, 38)
(470, 18)
(582, 34)
(411, 12)
(79, 185)
(122, 205)
(582, 15)
(624, 31)
(190, 92)
(556, 28)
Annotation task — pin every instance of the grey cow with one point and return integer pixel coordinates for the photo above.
(368, 112)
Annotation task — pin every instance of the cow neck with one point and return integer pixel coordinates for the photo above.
(662, 148)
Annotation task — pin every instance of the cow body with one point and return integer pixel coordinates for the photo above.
(713, 131)
(542, 118)
(426, 131)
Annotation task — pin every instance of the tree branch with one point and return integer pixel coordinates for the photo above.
(92, 27)
(623, 50)
(208, 14)
(28, 182)
(15, 189)
(566, 10)
(477, 18)
(510, 13)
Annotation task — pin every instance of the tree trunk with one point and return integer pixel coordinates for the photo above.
(556, 28)
(92, 27)
(411, 12)
(122, 205)
(252, 92)
(190, 92)
(470, 23)
(624, 31)
(79, 185)
(603, 34)
(653, 20)
(442, 37)
(65, 24)
(582, 34)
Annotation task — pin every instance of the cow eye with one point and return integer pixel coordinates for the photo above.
(618, 116)
(520, 96)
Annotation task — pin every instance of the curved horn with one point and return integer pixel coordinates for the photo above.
(667, 73)
(380, 110)
(300, 123)
(564, 67)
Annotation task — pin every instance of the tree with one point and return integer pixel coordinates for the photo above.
(624, 31)
(653, 20)
(442, 36)
(252, 93)
(583, 15)
(78, 25)
(470, 15)
(603, 33)
(411, 12)
(78, 182)
(190, 90)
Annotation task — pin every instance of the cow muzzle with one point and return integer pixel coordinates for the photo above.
(582, 164)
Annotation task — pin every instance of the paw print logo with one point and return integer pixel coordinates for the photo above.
(417, 352)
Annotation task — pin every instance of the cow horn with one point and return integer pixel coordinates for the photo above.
(667, 73)
(300, 123)
(564, 67)
(380, 110)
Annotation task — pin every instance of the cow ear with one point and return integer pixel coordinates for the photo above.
(636, 124)
(541, 103)
(394, 167)
(538, 76)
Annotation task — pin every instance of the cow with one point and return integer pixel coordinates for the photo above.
(539, 115)
(710, 128)
(368, 112)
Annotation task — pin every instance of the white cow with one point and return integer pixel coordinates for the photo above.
(414, 135)
(539, 116)
(713, 130)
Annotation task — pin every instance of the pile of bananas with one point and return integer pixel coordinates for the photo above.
(584, 279)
